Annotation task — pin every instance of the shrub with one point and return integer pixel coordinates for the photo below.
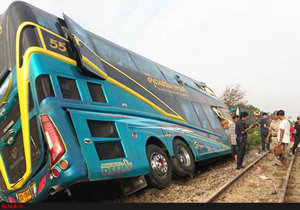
(254, 139)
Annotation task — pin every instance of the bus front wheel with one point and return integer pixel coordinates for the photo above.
(183, 162)
(160, 174)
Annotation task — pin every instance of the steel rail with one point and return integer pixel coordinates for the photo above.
(286, 181)
(222, 190)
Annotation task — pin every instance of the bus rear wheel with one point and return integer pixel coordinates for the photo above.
(183, 162)
(160, 174)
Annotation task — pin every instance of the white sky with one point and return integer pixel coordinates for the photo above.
(255, 43)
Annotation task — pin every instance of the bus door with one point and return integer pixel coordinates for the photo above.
(108, 149)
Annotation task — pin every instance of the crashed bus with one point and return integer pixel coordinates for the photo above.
(77, 108)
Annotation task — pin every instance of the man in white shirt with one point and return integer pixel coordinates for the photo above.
(283, 136)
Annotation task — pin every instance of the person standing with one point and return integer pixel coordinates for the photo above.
(232, 137)
(268, 138)
(241, 130)
(296, 135)
(263, 126)
(272, 135)
(283, 136)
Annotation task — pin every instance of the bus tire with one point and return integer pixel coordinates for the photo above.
(160, 174)
(183, 162)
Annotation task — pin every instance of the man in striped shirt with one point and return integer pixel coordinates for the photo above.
(232, 137)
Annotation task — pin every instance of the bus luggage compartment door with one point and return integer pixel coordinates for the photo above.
(108, 149)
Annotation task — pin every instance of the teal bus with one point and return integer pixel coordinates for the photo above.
(76, 108)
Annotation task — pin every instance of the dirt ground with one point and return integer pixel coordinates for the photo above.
(261, 184)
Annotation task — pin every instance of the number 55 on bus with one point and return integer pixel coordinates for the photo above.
(77, 109)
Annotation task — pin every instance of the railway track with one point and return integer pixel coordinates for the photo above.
(223, 190)
(268, 185)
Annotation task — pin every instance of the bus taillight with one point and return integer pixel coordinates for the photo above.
(53, 139)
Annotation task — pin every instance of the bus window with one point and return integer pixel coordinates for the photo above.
(35, 143)
(43, 87)
(213, 119)
(113, 54)
(146, 66)
(46, 20)
(189, 112)
(226, 113)
(201, 115)
(96, 92)
(102, 129)
(168, 73)
(69, 88)
(78, 31)
(224, 121)
(206, 89)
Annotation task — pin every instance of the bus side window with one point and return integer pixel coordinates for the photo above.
(44, 88)
(96, 92)
(213, 119)
(69, 88)
(112, 53)
(201, 115)
(146, 66)
(189, 112)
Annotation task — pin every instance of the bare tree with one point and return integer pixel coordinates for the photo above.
(234, 95)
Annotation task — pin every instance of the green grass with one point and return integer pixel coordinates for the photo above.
(253, 138)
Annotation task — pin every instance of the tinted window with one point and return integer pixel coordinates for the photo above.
(46, 20)
(68, 88)
(44, 87)
(213, 119)
(175, 87)
(226, 113)
(168, 73)
(112, 53)
(146, 66)
(35, 142)
(109, 150)
(201, 115)
(78, 31)
(198, 96)
(96, 92)
(102, 129)
(189, 112)
(204, 88)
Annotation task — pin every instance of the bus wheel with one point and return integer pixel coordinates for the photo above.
(160, 174)
(183, 162)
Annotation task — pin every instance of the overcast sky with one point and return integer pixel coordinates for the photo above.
(254, 43)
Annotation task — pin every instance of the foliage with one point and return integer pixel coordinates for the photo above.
(253, 138)
(250, 106)
(234, 95)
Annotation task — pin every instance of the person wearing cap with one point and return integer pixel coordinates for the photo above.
(296, 135)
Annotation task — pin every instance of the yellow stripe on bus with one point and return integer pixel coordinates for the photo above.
(22, 85)
(177, 117)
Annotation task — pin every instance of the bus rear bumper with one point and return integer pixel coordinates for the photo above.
(47, 182)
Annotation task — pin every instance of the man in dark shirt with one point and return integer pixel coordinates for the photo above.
(296, 134)
(241, 130)
(264, 129)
